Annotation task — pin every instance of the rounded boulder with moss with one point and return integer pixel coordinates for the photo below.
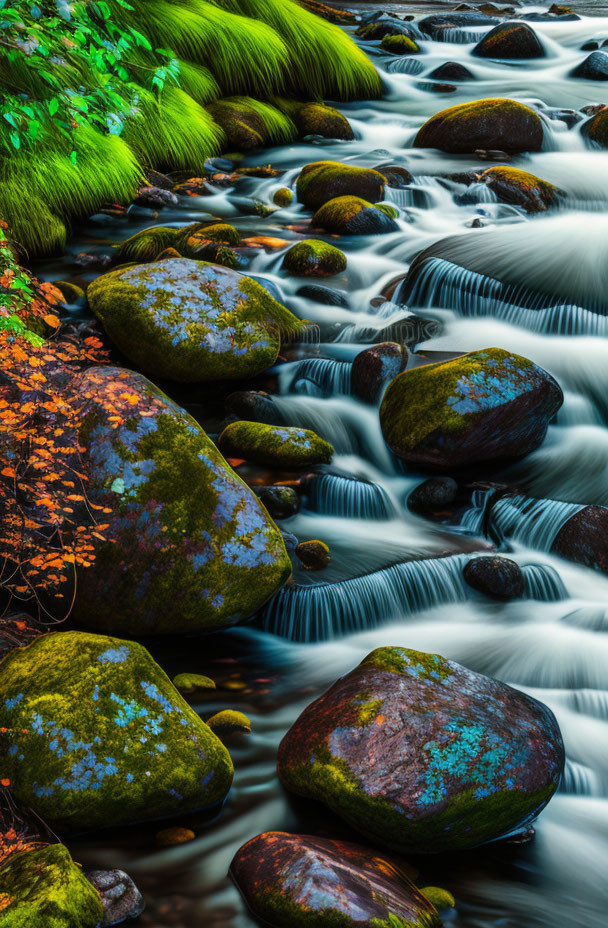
(250, 124)
(322, 181)
(354, 216)
(488, 124)
(422, 755)
(276, 446)
(314, 258)
(190, 321)
(318, 119)
(291, 881)
(482, 406)
(596, 128)
(510, 40)
(96, 735)
(186, 545)
(399, 45)
(512, 185)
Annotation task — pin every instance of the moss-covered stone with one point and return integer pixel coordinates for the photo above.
(146, 245)
(313, 555)
(521, 188)
(274, 446)
(350, 215)
(314, 258)
(72, 293)
(387, 25)
(388, 209)
(44, 888)
(248, 124)
(322, 181)
(96, 735)
(188, 546)
(282, 197)
(596, 128)
(440, 898)
(280, 501)
(208, 231)
(510, 40)
(317, 119)
(450, 760)
(484, 405)
(190, 321)
(228, 722)
(192, 682)
(399, 45)
(490, 124)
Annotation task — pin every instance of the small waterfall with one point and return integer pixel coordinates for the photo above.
(477, 193)
(317, 377)
(474, 520)
(407, 330)
(580, 780)
(335, 495)
(322, 611)
(543, 582)
(404, 65)
(534, 522)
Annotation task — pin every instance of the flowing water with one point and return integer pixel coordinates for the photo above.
(386, 584)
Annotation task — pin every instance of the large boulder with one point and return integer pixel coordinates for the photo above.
(186, 545)
(423, 755)
(512, 185)
(190, 321)
(96, 735)
(593, 68)
(321, 181)
(481, 406)
(350, 215)
(296, 880)
(274, 446)
(44, 888)
(584, 538)
(490, 124)
(510, 40)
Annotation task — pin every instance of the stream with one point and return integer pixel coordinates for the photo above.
(384, 586)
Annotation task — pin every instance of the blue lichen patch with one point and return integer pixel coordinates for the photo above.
(99, 742)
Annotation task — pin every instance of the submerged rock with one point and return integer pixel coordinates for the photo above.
(314, 258)
(313, 555)
(495, 576)
(510, 40)
(281, 502)
(375, 367)
(432, 495)
(350, 215)
(593, 68)
(190, 321)
(452, 71)
(481, 406)
(120, 897)
(44, 887)
(488, 124)
(322, 181)
(105, 739)
(521, 188)
(421, 754)
(294, 880)
(171, 837)
(275, 446)
(187, 547)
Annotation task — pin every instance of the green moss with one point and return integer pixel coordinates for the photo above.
(211, 232)
(274, 446)
(277, 908)
(146, 245)
(440, 898)
(596, 128)
(191, 682)
(314, 258)
(399, 45)
(72, 293)
(44, 888)
(521, 187)
(391, 211)
(368, 711)
(282, 197)
(45, 236)
(106, 737)
(398, 660)
(489, 123)
(317, 119)
(228, 722)
(322, 181)
(350, 215)
(250, 124)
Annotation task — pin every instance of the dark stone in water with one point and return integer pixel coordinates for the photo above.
(495, 576)
(423, 755)
(155, 198)
(396, 175)
(254, 406)
(593, 68)
(440, 25)
(584, 538)
(120, 897)
(373, 368)
(296, 880)
(481, 406)
(452, 71)
(281, 502)
(432, 495)
(436, 88)
(510, 40)
(382, 27)
(489, 124)
(551, 18)
(324, 295)
(313, 555)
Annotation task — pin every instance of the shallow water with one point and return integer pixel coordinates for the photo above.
(553, 644)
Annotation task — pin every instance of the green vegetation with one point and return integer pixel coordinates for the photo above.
(399, 45)
(314, 258)
(96, 90)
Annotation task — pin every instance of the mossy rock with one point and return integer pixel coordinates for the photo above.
(96, 735)
(510, 40)
(596, 128)
(350, 215)
(313, 555)
(322, 181)
(440, 898)
(490, 124)
(229, 722)
(190, 321)
(300, 881)
(317, 119)
(389, 25)
(482, 406)
(210, 232)
(146, 246)
(388, 209)
(44, 888)
(248, 124)
(72, 293)
(274, 446)
(399, 45)
(512, 185)
(281, 502)
(423, 755)
(314, 258)
(188, 546)
(192, 683)
(282, 197)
